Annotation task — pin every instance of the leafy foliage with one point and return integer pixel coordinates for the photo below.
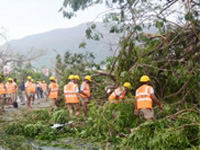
(60, 116)
(177, 126)
(166, 133)
(109, 121)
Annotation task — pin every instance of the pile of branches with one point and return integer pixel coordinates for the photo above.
(171, 59)
(177, 126)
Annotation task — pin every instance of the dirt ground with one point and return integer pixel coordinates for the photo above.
(38, 104)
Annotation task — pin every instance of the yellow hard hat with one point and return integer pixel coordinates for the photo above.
(10, 79)
(52, 78)
(89, 78)
(29, 77)
(71, 77)
(127, 85)
(76, 77)
(32, 80)
(144, 78)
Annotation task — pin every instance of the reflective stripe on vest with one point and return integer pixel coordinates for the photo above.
(54, 90)
(71, 95)
(86, 90)
(114, 95)
(9, 87)
(2, 89)
(143, 97)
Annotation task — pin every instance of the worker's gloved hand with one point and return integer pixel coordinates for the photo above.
(136, 112)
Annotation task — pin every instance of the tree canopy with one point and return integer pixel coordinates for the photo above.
(169, 54)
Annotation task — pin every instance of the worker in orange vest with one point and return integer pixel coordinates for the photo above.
(53, 92)
(119, 93)
(2, 93)
(144, 99)
(85, 93)
(29, 91)
(34, 89)
(71, 93)
(44, 89)
(9, 91)
(15, 90)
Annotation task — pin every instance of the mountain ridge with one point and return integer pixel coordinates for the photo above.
(62, 40)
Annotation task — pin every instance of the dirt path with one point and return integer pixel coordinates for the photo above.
(11, 113)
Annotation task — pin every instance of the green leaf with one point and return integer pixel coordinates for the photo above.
(93, 26)
(88, 33)
(68, 15)
(159, 25)
(114, 29)
(61, 9)
(96, 37)
(82, 45)
(138, 28)
(123, 74)
(65, 3)
(188, 16)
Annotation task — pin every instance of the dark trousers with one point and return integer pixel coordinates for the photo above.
(39, 92)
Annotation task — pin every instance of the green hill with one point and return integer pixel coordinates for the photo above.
(60, 41)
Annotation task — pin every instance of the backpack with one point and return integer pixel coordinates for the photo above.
(15, 104)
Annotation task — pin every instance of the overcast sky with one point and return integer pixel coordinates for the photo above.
(27, 17)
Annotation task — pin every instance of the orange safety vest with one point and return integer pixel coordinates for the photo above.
(54, 90)
(2, 89)
(114, 95)
(71, 95)
(15, 87)
(33, 89)
(44, 86)
(29, 87)
(9, 87)
(143, 97)
(86, 90)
